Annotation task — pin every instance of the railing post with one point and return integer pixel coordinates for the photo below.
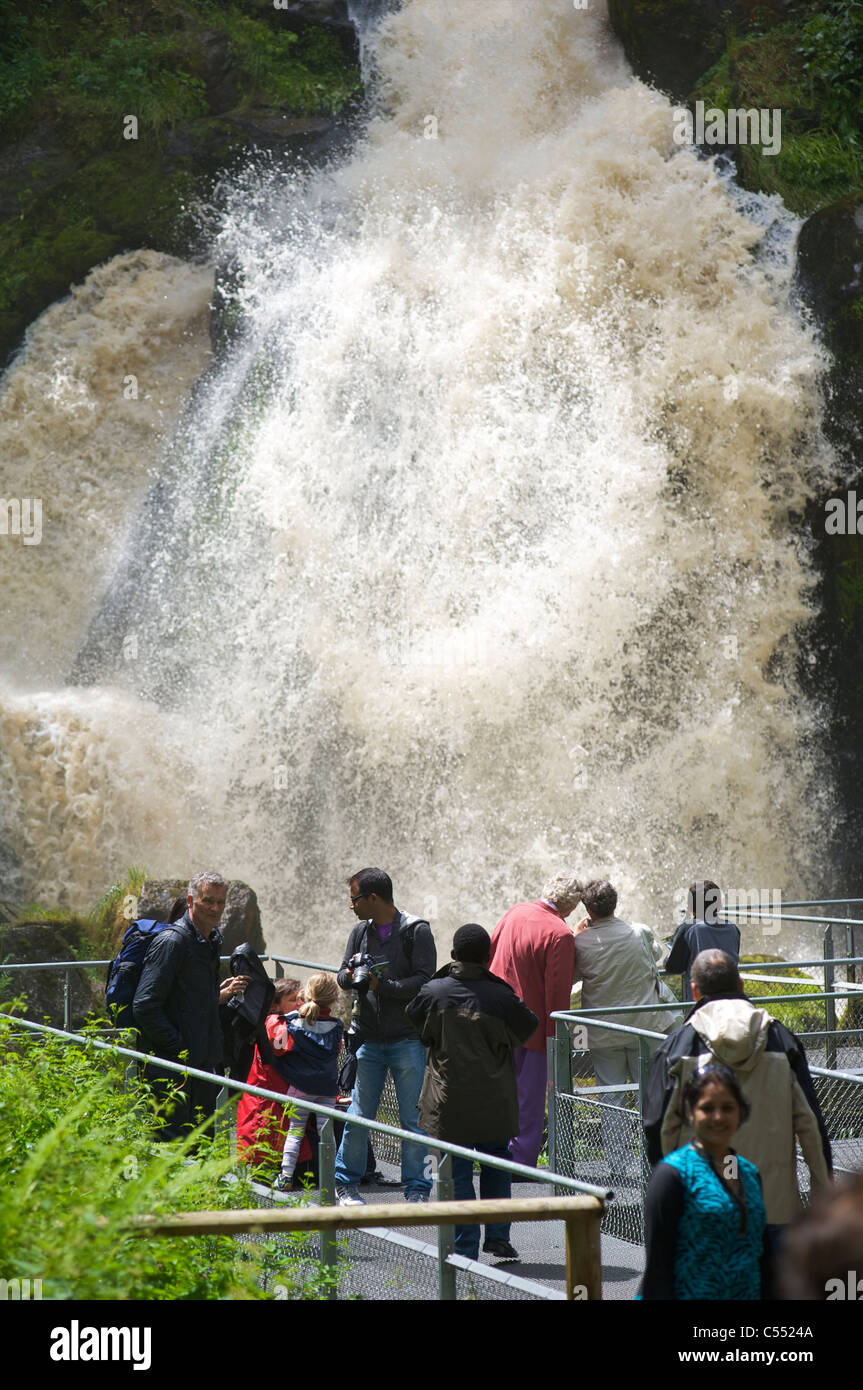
(67, 1001)
(551, 1101)
(131, 1071)
(644, 1058)
(445, 1234)
(222, 1099)
(583, 1256)
(829, 1001)
(559, 1083)
(327, 1188)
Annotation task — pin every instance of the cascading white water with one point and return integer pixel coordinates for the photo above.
(480, 556)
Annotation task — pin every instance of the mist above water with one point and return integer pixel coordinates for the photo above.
(479, 555)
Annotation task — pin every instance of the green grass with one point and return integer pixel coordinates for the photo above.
(807, 1017)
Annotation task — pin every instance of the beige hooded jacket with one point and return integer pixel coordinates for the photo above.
(735, 1033)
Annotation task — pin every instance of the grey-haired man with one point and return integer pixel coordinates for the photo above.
(176, 1004)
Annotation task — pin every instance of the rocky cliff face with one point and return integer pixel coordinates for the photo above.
(797, 58)
(117, 125)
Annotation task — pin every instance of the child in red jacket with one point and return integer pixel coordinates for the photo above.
(262, 1124)
(307, 1049)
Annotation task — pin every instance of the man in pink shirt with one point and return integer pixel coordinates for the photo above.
(534, 951)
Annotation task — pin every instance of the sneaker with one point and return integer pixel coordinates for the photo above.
(349, 1197)
(501, 1248)
(283, 1182)
(416, 1196)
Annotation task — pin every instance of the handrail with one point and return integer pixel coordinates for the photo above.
(690, 1004)
(225, 1082)
(581, 1217)
(452, 1213)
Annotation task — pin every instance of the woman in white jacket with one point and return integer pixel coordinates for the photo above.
(616, 964)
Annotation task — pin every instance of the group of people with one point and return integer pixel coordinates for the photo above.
(466, 1048)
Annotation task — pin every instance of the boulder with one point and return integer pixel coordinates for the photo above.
(671, 43)
(830, 276)
(241, 921)
(43, 990)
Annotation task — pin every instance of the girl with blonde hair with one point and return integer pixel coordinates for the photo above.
(307, 1056)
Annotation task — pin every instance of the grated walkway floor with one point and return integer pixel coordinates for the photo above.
(376, 1273)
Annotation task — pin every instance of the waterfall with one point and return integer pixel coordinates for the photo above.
(480, 555)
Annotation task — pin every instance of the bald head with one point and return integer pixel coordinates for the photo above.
(713, 974)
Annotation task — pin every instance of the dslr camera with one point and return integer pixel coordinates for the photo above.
(362, 966)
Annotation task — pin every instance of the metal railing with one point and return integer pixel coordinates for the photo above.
(592, 1134)
(448, 1263)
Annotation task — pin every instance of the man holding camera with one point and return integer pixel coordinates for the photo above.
(401, 958)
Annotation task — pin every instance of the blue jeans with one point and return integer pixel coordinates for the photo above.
(492, 1183)
(406, 1059)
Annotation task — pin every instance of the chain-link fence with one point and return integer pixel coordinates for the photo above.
(394, 1264)
(598, 1133)
(599, 1140)
(840, 1097)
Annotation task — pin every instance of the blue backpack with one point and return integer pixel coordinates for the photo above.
(124, 971)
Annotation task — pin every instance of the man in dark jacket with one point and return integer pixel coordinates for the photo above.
(471, 1021)
(403, 949)
(704, 933)
(176, 1004)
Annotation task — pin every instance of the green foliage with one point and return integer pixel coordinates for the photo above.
(304, 73)
(92, 64)
(850, 586)
(78, 1159)
(832, 46)
(116, 909)
(811, 170)
(133, 74)
(23, 70)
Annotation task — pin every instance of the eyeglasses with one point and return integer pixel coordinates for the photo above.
(358, 898)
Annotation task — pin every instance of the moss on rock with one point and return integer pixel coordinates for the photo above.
(117, 119)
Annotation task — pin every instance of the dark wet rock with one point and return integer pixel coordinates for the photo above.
(44, 990)
(241, 921)
(830, 281)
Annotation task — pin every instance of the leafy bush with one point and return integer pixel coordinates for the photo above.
(78, 1159)
(304, 72)
(832, 46)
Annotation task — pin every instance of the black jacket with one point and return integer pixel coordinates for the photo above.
(470, 1020)
(176, 1004)
(691, 938)
(411, 957)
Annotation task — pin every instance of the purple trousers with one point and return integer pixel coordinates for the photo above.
(531, 1081)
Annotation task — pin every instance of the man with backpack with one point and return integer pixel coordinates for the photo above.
(176, 1002)
(402, 958)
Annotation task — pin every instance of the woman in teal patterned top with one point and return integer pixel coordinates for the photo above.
(704, 1213)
